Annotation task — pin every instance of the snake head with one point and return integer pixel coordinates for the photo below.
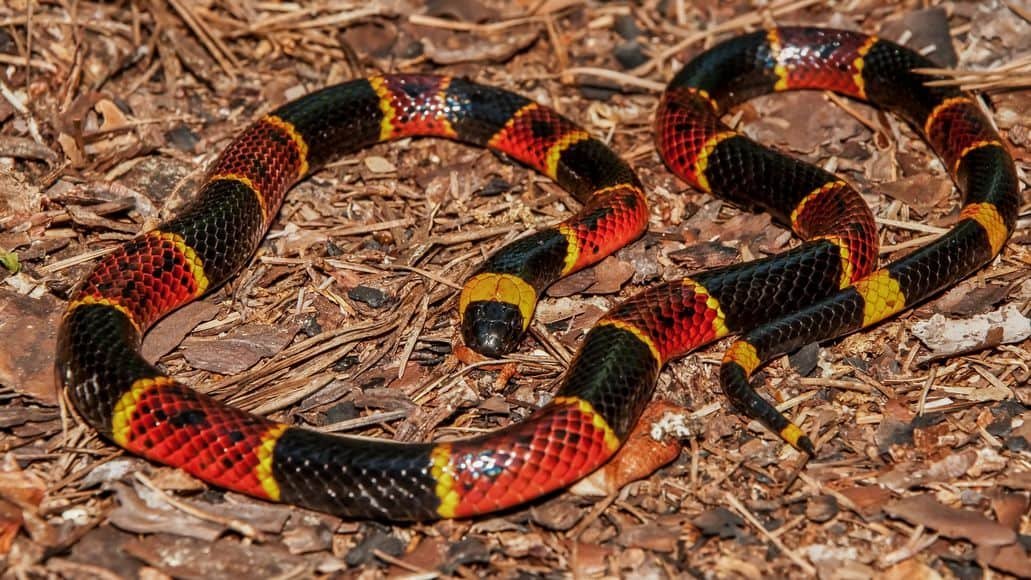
(495, 309)
(492, 328)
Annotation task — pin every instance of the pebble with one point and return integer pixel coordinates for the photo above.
(374, 297)
(630, 55)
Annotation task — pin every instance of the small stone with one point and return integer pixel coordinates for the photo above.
(341, 412)
(467, 551)
(333, 250)
(375, 539)
(630, 55)
(310, 326)
(597, 92)
(496, 186)
(374, 297)
(626, 27)
(1016, 444)
(345, 362)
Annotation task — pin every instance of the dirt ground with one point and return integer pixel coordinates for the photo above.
(345, 320)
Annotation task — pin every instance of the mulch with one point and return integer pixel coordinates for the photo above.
(345, 320)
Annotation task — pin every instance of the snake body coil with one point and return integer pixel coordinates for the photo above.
(823, 288)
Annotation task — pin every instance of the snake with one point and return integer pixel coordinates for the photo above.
(828, 285)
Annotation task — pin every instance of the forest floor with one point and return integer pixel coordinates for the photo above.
(345, 319)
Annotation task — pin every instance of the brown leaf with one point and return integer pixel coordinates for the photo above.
(103, 545)
(1013, 559)
(970, 298)
(240, 349)
(650, 536)
(1018, 480)
(951, 522)
(429, 554)
(610, 275)
(927, 32)
(575, 283)
(705, 255)
(869, 499)
(22, 488)
(371, 38)
(479, 49)
(1009, 508)
(141, 511)
(461, 10)
(303, 539)
(921, 192)
(222, 560)
(558, 515)
(377, 164)
(168, 333)
(947, 469)
(28, 331)
(590, 560)
(114, 118)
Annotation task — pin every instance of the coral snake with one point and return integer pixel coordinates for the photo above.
(823, 288)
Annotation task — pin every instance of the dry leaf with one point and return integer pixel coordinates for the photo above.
(955, 523)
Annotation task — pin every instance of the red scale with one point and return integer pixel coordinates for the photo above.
(204, 448)
(418, 114)
(133, 284)
(267, 156)
(533, 461)
(531, 135)
(627, 218)
(683, 132)
(814, 63)
(955, 128)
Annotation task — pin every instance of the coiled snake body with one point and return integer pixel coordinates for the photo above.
(826, 287)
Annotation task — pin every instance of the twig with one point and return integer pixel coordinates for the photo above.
(76, 260)
(298, 19)
(914, 226)
(915, 242)
(619, 77)
(421, 573)
(33, 63)
(420, 322)
(433, 22)
(596, 511)
(19, 106)
(359, 422)
(219, 51)
(921, 406)
(852, 112)
(741, 509)
(426, 274)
